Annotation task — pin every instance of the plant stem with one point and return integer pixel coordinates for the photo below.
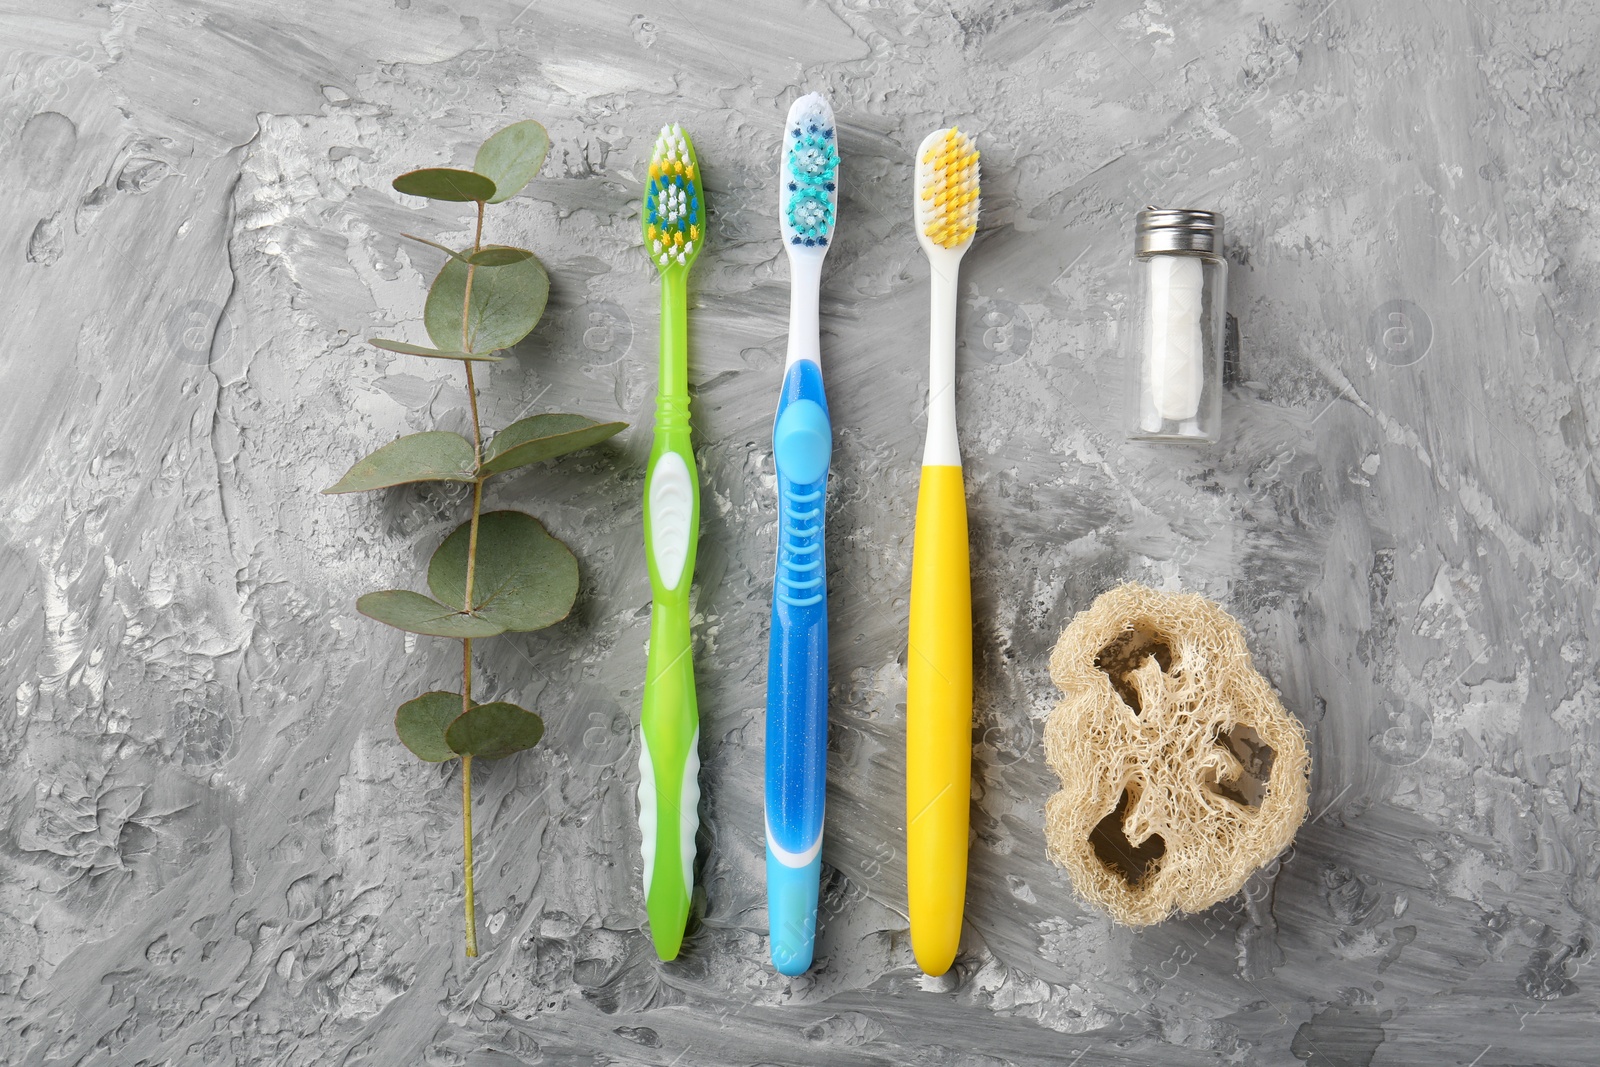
(466, 605)
(477, 425)
(466, 803)
(466, 301)
(472, 543)
(466, 841)
(466, 314)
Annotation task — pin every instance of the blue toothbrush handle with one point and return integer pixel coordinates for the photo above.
(797, 671)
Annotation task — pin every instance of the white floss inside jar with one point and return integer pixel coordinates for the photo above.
(1177, 353)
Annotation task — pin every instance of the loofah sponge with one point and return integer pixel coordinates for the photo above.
(1181, 773)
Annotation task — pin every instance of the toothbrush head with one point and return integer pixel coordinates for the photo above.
(946, 202)
(674, 204)
(808, 192)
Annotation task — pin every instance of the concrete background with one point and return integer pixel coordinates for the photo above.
(212, 848)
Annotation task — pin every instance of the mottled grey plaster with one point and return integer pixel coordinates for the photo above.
(213, 850)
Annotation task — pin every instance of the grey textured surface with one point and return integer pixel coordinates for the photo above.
(213, 849)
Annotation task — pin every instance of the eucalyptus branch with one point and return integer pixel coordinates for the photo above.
(466, 598)
(482, 302)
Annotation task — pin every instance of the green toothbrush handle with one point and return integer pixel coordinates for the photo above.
(669, 756)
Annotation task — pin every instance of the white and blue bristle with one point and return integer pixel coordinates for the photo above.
(809, 191)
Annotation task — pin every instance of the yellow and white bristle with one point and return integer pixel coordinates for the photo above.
(947, 189)
(672, 222)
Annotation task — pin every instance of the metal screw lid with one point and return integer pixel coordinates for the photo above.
(1178, 230)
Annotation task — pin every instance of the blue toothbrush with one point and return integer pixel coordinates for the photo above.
(802, 444)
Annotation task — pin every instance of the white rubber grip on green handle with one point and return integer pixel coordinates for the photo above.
(669, 750)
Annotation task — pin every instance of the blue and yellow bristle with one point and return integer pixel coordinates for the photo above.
(674, 222)
(947, 189)
(810, 177)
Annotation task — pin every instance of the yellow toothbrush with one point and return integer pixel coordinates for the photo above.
(939, 663)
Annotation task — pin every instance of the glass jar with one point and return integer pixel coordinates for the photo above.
(1177, 334)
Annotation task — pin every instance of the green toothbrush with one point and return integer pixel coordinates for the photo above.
(669, 756)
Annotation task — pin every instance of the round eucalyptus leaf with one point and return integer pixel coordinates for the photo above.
(524, 580)
(490, 731)
(421, 724)
(511, 157)
(431, 456)
(418, 614)
(499, 256)
(507, 303)
(543, 437)
(408, 349)
(446, 183)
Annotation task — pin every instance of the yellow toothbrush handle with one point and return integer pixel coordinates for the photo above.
(938, 719)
